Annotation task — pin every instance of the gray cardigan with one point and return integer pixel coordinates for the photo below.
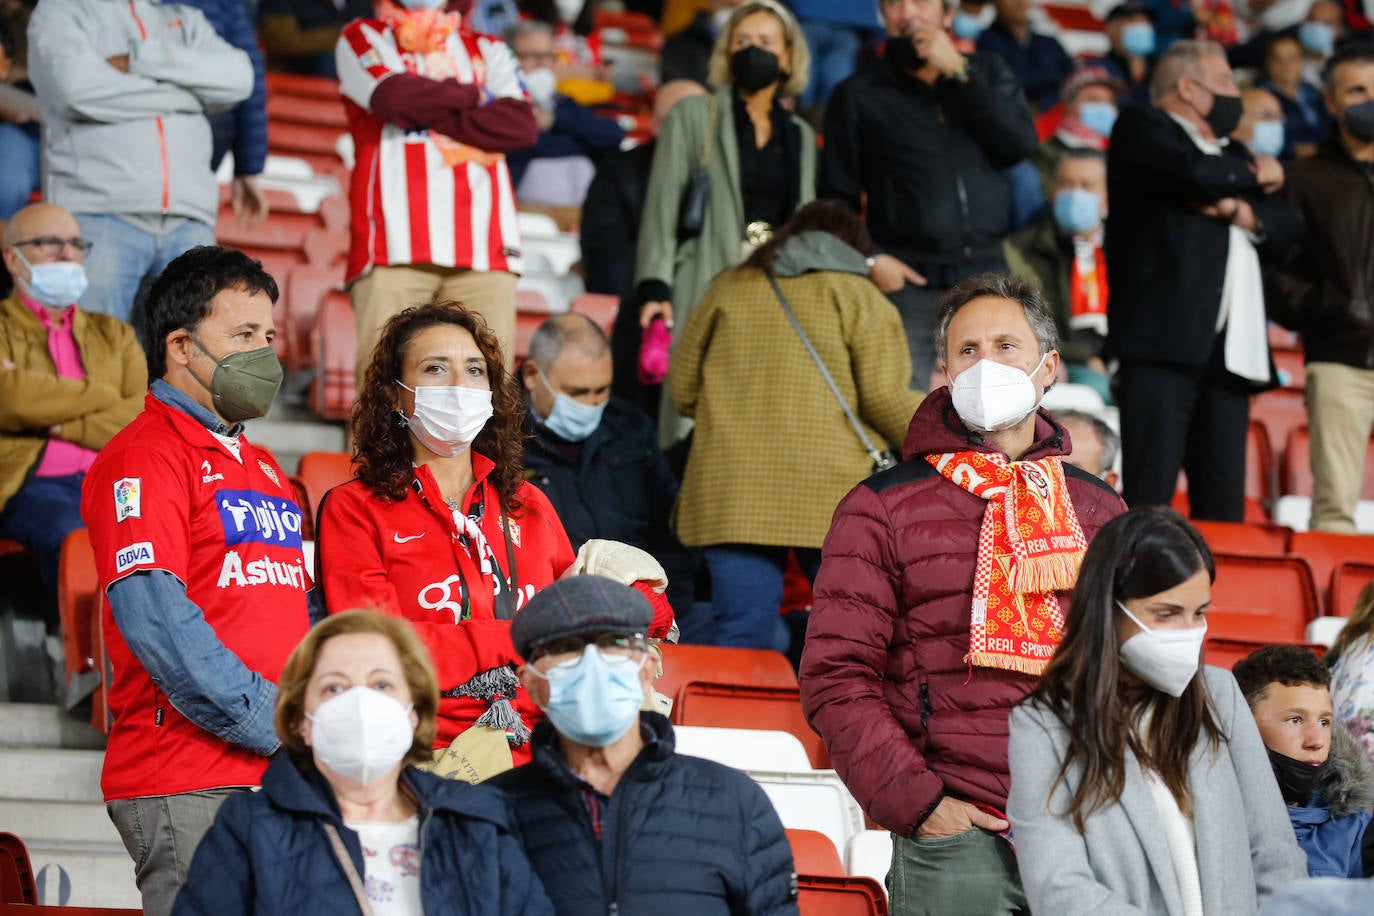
(1120, 864)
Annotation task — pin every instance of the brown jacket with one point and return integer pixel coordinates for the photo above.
(33, 398)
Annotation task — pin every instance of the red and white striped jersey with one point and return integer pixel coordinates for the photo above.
(409, 206)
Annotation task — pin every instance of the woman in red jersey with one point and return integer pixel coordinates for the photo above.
(440, 527)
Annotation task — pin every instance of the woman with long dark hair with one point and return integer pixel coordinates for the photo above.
(440, 525)
(1139, 782)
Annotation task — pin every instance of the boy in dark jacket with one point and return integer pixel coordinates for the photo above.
(1322, 771)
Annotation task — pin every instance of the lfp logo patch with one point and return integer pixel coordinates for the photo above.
(251, 517)
(128, 497)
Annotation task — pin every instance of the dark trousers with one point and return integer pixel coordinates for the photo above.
(1192, 418)
(920, 306)
(40, 516)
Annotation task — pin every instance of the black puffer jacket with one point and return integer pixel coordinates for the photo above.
(680, 836)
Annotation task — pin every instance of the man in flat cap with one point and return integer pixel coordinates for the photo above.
(611, 818)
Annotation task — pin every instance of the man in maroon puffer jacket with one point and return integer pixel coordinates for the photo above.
(916, 650)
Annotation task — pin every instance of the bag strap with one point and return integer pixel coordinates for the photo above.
(873, 451)
(710, 131)
(345, 860)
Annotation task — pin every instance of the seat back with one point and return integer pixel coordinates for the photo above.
(321, 472)
(825, 895)
(599, 308)
(743, 748)
(722, 665)
(1348, 580)
(1256, 538)
(1292, 368)
(1324, 551)
(78, 601)
(16, 872)
(334, 347)
(869, 855)
(1280, 410)
(749, 706)
(815, 800)
(1262, 598)
(813, 853)
(306, 289)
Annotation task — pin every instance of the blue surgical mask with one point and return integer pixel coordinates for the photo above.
(422, 4)
(56, 284)
(1098, 117)
(1317, 37)
(1077, 210)
(595, 699)
(967, 26)
(1268, 139)
(1138, 39)
(570, 419)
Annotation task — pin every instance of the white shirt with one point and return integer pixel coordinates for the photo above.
(391, 865)
(1181, 839)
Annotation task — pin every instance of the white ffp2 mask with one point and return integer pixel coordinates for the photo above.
(448, 418)
(1167, 660)
(991, 396)
(361, 734)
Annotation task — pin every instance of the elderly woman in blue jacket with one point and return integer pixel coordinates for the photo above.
(343, 823)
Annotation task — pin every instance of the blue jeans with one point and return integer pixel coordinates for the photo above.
(746, 592)
(21, 158)
(834, 51)
(40, 516)
(123, 258)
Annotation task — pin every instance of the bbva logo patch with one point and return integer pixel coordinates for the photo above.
(134, 555)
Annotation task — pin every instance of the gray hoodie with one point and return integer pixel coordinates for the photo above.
(135, 142)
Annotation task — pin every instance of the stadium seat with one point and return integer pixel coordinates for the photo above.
(78, 605)
(814, 854)
(325, 249)
(869, 855)
(1292, 368)
(599, 308)
(1281, 338)
(1324, 630)
(749, 706)
(8, 547)
(275, 235)
(817, 800)
(298, 109)
(532, 302)
(1262, 598)
(1297, 465)
(1224, 653)
(1347, 581)
(1325, 551)
(320, 472)
(334, 347)
(312, 87)
(1070, 396)
(824, 895)
(1280, 410)
(334, 213)
(1255, 538)
(526, 323)
(743, 748)
(306, 288)
(722, 665)
(16, 873)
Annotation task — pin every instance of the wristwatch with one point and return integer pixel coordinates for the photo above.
(960, 75)
(871, 261)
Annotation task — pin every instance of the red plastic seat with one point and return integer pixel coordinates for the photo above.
(749, 706)
(305, 290)
(320, 472)
(1256, 538)
(1224, 653)
(1348, 580)
(314, 87)
(16, 872)
(813, 853)
(532, 302)
(78, 603)
(270, 234)
(1297, 465)
(326, 249)
(827, 895)
(1280, 410)
(599, 308)
(1324, 551)
(526, 323)
(8, 547)
(1262, 598)
(334, 213)
(1292, 367)
(722, 665)
(334, 348)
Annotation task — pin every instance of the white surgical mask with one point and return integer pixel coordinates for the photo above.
(448, 418)
(361, 734)
(1167, 660)
(991, 396)
(56, 284)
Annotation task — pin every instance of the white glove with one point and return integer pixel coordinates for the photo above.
(620, 562)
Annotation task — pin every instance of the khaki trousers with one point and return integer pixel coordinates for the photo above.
(1340, 413)
(385, 291)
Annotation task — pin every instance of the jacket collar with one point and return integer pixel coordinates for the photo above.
(1350, 785)
(936, 429)
(183, 402)
(644, 768)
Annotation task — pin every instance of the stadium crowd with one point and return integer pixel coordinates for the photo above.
(914, 302)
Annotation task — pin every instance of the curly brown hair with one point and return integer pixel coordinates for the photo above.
(384, 454)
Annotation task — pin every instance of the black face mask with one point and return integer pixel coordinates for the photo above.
(1297, 780)
(1225, 114)
(752, 68)
(902, 53)
(1359, 121)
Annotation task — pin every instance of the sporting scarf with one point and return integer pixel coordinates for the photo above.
(425, 33)
(1075, 135)
(1029, 547)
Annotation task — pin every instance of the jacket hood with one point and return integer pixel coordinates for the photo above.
(1350, 785)
(810, 251)
(289, 787)
(936, 428)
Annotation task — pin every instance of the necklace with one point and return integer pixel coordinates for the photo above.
(452, 503)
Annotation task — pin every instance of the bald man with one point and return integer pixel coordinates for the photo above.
(69, 380)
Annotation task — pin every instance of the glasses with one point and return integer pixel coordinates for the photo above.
(611, 645)
(538, 57)
(52, 246)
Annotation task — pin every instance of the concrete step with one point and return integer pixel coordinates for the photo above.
(78, 875)
(50, 775)
(44, 725)
(61, 823)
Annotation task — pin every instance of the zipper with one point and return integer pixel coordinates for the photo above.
(925, 706)
(963, 213)
(161, 128)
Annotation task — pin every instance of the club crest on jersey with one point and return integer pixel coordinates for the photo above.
(128, 497)
(140, 554)
(250, 517)
(268, 470)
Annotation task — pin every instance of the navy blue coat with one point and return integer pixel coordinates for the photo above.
(243, 128)
(680, 836)
(267, 852)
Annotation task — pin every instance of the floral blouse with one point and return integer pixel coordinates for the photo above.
(1352, 691)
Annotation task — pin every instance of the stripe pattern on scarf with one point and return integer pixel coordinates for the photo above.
(1029, 547)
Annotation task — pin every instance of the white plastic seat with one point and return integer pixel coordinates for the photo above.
(536, 225)
(869, 855)
(1325, 629)
(1293, 511)
(743, 748)
(815, 800)
(1068, 396)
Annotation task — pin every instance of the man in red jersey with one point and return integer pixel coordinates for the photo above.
(197, 542)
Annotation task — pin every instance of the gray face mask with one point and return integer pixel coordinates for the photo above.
(244, 384)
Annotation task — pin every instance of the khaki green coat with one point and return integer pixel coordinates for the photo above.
(688, 268)
(773, 453)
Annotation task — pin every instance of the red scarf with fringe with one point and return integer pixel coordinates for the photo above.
(1030, 546)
